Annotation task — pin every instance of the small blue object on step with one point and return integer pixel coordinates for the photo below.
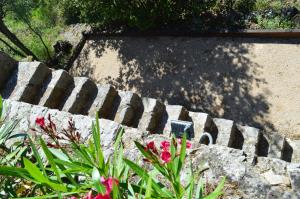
(178, 128)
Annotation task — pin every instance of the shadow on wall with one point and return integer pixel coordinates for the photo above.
(210, 75)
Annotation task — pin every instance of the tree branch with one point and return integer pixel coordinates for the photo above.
(17, 52)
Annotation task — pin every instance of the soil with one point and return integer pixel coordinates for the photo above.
(252, 81)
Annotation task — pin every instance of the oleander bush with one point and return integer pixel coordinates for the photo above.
(59, 165)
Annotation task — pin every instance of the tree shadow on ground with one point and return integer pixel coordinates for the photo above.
(210, 75)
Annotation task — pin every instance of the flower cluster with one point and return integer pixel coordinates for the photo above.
(108, 184)
(49, 128)
(164, 154)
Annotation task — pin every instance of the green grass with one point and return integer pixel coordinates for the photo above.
(50, 35)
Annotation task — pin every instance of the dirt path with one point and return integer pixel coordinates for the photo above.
(252, 81)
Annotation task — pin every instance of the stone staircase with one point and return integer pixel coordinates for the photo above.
(45, 91)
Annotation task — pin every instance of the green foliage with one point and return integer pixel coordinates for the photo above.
(171, 171)
(33, 21)
(12, 149)
(275, 23)
(78, 169)
(142, 14)
(54, 171)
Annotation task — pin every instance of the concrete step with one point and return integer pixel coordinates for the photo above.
(278, 146)
(57, 89)
(172, 112)
(228, 134)
(7, 66)
(251, 141)
(126, 108)
(295, 145)
(26, 82)
(103, 103)
(81, 97)
(152, 113)
(202, 123)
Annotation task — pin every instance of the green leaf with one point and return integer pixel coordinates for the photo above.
(36, 174)
(37, 156)
(131, 191)
(218, 191)
(54, 195)
(59, 154)
(145, 176)
(96, 177)
(50, 159)
(199, 190)
(6, 130)
(116, 191)
(149, 189)
(13, 172)
(182, 154)
(34, 171)
(97, 142)
(14, 155)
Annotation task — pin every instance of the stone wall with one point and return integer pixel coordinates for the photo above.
(246, 155)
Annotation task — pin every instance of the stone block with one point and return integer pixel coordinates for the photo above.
(173, 112)
(202, 123)
(26, 82)
(57, 89)
(152, 114)
(295, 145)
(251, 139)
(226, 133)
(278, 146)
(103, 102)
(81, 97)
(127, 107)
(274, 179)
(294, 174)
(109, 131)
(83, 125)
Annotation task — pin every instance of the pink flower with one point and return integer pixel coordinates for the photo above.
(109, 183)
(102, 196)
(165, 156)
(89, 195)
(40, 121)
(151, 146)
(188, 143)
(165, 145)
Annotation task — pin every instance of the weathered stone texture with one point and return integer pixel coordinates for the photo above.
(127, 107)
(251, 140)
(202, 123)
(82, 96)
(57, 89)
(173, 112)
(26, 82)
(103, 102)
(152, 114)
(226, 131)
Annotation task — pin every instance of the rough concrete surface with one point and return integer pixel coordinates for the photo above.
(251, 81)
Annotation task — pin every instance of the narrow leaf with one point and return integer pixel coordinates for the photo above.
(50, 159)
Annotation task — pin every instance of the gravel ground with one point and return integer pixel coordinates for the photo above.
(252, 81)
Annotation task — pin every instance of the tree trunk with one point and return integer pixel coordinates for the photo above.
(17, 52)
(13, 38)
